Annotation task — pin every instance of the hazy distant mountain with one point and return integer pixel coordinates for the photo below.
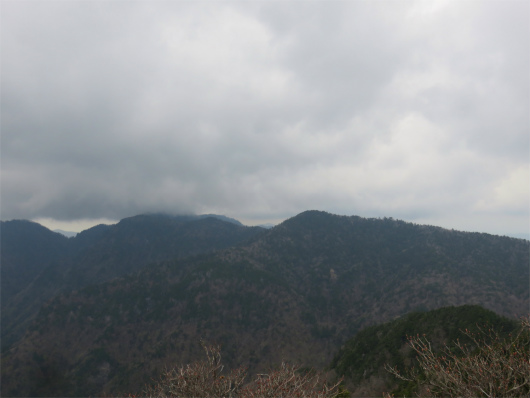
(295, 292)
(68, 234)
(268, 225)
(222, 218)
(38, 264)
(193, 217)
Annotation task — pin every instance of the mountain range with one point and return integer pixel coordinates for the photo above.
(38, 264)
(103, 312)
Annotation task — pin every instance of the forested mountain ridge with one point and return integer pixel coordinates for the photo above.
(387, 255)
(295, 292)
(38, 263)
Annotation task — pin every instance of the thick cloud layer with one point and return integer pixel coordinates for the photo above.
(259, 110)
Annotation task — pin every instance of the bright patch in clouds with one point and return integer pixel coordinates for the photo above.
(510, 193)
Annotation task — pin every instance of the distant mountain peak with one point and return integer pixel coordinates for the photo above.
(181, 217)
(267, 225)
(222, 218)
(68, 234)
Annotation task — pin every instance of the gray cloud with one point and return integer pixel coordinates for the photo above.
(259, 110)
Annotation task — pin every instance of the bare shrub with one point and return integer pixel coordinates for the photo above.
(200, 379)
(206, 379)
(289, 381)
(490, 367)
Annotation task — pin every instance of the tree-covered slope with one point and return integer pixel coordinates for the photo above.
(362, 359)
(26, 249)
(134, 326)
(338, 259)
(38, 264)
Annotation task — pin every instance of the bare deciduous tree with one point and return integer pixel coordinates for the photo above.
(206, 379)
(200, 379)
(288, 381)
(490, 367)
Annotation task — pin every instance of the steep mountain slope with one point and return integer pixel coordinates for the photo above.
(362, 359)
(373, 261)
(27, 248)
(295, 292)
(46, 263)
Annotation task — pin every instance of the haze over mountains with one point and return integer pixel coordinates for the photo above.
(102, 312)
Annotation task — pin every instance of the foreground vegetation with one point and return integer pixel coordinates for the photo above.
(488, 363)
(207, 379)
(362, 359)
(489, 367)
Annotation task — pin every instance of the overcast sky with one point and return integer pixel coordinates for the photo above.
(417, 110)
